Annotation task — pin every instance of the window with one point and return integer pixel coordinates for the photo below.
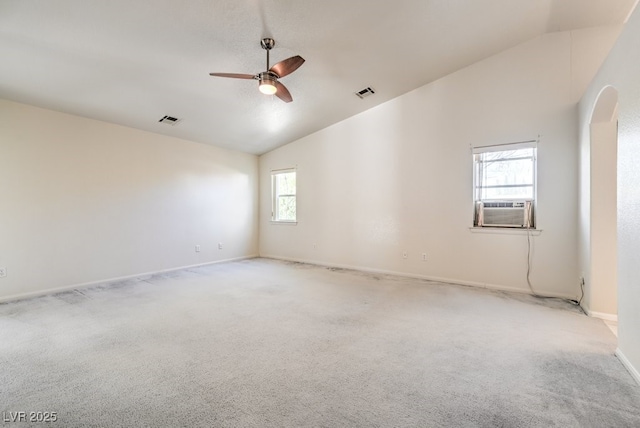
(283, 190)
(505, 185)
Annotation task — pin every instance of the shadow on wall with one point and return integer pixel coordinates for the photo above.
(360, 191)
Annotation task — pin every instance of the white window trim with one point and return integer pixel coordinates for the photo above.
(498, 148)
(505, 230)
(284, 222)
(532, 144)
(273, 220)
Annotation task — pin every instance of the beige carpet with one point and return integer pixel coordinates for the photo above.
(264, 343)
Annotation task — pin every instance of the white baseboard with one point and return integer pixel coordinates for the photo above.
(418, 276)
(627, 364)
(49, 291)
(600, 315)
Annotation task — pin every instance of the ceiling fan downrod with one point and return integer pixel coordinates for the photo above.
(267, 44)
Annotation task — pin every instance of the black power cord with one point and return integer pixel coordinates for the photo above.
(533, 292)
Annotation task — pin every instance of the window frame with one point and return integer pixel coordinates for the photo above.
(275, 196)
(477, 189)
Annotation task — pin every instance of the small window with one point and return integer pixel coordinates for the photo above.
(283, 188)
(505, 185)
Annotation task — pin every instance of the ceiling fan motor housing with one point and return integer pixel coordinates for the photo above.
(267, 82)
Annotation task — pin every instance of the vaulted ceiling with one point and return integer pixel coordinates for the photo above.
(132, 62)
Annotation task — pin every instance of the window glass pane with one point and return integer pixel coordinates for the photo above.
(507, 193)
(287, 208)
(505, 168)
(507, 172)
(284, 196)
(508, 154)
(286, 183)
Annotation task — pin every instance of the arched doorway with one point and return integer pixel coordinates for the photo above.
(601, 291)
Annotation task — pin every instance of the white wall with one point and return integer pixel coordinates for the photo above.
(83, 201)
(621, 69)
(399, 177)
(598, 210)
(602, 284)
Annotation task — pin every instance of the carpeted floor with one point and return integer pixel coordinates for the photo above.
(265, 343)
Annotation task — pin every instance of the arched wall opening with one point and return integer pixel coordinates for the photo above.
(601, 287)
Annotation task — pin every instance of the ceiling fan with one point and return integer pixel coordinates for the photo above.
(269, 83)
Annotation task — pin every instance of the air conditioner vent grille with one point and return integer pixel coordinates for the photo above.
(170, 120)
(504, 204)
(365, 92)
(505, 214)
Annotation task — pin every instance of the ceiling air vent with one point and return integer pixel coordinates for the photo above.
(170, 120)
(365, 92)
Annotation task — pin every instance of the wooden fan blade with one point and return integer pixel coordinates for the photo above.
(233, 75)
(287, 66)
(283, 93)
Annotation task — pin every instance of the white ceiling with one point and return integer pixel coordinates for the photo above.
(132, 62)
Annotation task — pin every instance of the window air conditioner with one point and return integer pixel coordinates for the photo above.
(505, 214)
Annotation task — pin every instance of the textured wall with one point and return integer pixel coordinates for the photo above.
(84, 201)
(621, 70)
(399, 177)
(602, 287)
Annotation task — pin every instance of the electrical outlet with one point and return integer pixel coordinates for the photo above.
(424, 257)
(404, 255)
(197, 248)
(219, 245)
(3, 272)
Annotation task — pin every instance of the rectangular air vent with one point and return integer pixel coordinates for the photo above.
(365, 92)
(170, 120)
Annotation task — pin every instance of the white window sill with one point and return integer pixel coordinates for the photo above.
(284, 223)
(505, 231)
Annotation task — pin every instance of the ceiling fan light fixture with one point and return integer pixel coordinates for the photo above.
(268, 81)
(267, 86)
